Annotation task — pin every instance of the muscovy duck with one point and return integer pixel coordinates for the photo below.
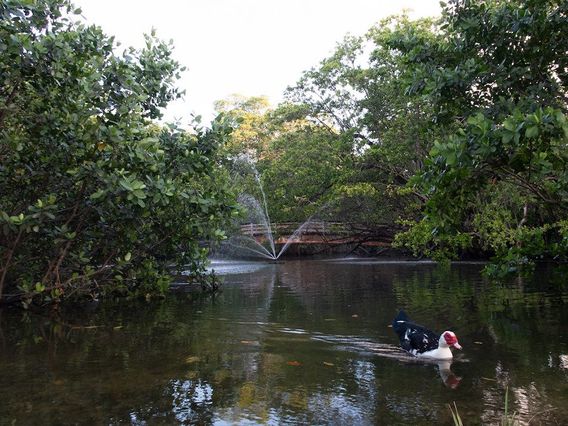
(421, 342)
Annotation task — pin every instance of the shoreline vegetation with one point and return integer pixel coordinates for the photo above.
(97, 198)
(451, 132)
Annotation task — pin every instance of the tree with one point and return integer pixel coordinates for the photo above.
(94, 197)
(330, 92)
(496, 73)
(247, 118)
(357, 95)
(343, 145)
(301, 167)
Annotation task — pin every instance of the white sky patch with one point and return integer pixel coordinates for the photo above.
(251, 47)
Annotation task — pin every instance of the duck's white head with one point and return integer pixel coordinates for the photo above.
(449, 339)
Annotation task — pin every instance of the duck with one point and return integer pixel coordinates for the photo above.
(421, 342)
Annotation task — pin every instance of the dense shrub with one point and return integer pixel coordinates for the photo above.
(95, 197)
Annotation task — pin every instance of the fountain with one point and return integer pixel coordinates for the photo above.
(259, 220)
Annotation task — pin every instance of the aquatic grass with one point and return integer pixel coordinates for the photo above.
(455, 414)
(506, 420)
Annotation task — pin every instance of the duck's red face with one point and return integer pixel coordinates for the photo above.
(451, 339)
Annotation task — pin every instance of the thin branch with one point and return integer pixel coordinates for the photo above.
(528, 185)
(9, 256)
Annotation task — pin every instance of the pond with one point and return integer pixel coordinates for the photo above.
(297, 342)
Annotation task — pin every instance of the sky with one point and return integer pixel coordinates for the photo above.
(249, 47)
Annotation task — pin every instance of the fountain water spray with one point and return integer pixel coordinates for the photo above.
(259, 219)
(258, 215)
(257, 178)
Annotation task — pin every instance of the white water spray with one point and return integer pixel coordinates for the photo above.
(258, 218)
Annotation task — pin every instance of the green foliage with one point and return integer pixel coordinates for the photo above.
(455, 128)
(299, 162)
(95, 198)
(355, 94)
(494, 221)
(299, 169)
(424, 238)
(495, 75)
(328, 93)
(248, 119)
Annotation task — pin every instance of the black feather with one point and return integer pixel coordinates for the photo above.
(413, 337)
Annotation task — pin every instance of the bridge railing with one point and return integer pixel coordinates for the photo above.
(315, 227)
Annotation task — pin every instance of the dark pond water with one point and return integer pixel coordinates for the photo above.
(301, 342)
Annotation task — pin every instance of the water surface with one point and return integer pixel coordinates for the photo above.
(298, 342)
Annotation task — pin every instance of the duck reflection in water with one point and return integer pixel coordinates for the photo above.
(447, 375)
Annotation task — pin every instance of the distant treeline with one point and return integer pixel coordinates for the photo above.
(452, 128)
